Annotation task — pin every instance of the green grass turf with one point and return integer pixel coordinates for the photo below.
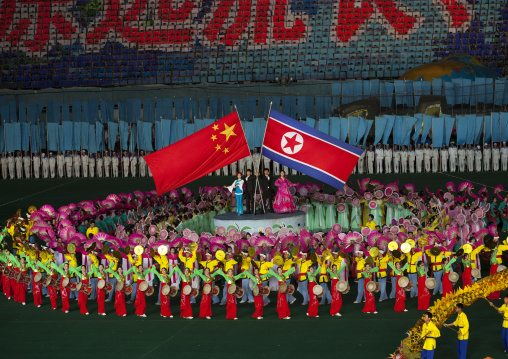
(28, 331)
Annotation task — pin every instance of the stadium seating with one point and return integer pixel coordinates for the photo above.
(112, 43)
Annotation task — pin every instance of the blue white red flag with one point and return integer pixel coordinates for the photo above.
(309, 151)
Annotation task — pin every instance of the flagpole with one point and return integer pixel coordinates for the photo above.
(260, 157)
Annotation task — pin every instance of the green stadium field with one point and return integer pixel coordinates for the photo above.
(28, 331)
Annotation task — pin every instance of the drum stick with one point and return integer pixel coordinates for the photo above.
(456, 331)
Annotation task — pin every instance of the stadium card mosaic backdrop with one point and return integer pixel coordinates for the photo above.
(65, 43)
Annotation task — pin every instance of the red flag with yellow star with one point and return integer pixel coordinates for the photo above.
(195, 156)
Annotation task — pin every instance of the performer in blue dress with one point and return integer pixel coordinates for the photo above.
(237, 186)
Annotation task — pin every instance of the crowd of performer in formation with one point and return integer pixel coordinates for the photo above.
(377, 234)
(379, 159)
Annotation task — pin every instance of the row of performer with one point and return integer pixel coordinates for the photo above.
(318, 276)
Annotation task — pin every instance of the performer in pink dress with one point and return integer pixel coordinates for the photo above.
(284, 200)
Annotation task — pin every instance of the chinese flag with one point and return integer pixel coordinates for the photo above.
(195, 156)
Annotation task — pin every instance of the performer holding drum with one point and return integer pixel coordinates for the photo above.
(142, 287)
(258, 291)
(205, 308)
(165, 282)
(84, 288)
(336, 297)
(121, 289)
(233, 292)
(186, 292)
(315, 290)
(65, 284)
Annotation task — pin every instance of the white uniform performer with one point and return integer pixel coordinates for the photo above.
(52, 165)
(5, 169)
(370, 160)
(461, 153)
(125, 164)
(419, 158)
(76, 163)
(427, 153)
(361, 162)
(478, 158)
(266, 164)
(149, 171)
(134, 164)
(12, 168)
(404, 154)
(249, 163)
(115, 162)
(380, 155)
(242, 165)
(91, 165)
(60, 162)
(26, 164)
(45, 166)
(496, 155)
(444, 159)
(276, 168)
(68, 164)
(435, 159)
(19, 165)
(388, 153)
(100, 165)
(107, 163)
(84, 162)
(411, 159)
(487, 155)
(256, 159)
(142, 165)
(37, 164)
(396, 159)
(470, 154)
(504, 157)
(452, 153)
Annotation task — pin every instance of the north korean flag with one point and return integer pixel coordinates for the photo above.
(309, 151)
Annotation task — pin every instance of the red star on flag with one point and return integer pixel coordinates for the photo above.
(292, 142)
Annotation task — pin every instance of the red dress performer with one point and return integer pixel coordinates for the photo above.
(121, 286)
(231, 290)
(400, 293)
(64, 284)
(36, 282)
(370, 301)
(495, 261)
(6, 284)
(423, 291)
(51, 282)
(205, 308)
(165, 280)
(467, 278)
(447, 285)
(336, 297)
(185, 305)
(140, 302)
(22, 283)
(282, 301)
(82, 295)
(101, 289)
(312, 311)
(257, 291)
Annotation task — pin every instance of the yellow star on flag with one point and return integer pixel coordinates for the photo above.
(217, 148)
(215, 127)
(226, 150)
(228, 131)
(214, 137)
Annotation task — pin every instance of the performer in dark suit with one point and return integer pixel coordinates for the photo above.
(267, 188)
(250, 186)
